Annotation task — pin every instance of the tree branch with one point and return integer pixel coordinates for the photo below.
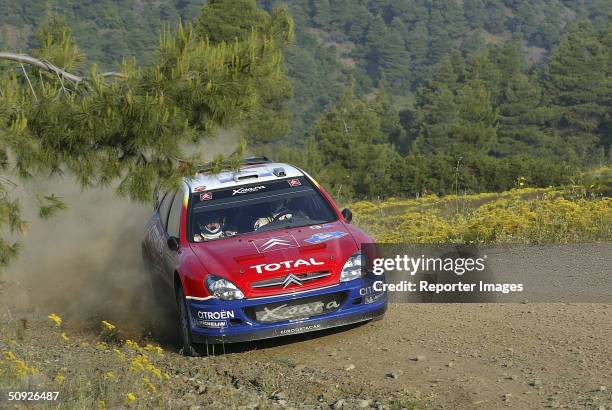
(45, 65)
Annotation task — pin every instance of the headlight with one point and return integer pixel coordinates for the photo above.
(352, 268)
(223, 288)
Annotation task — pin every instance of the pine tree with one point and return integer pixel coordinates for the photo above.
(574, 79)
(519, 130)
(605, 94)
(354, 148)
(417, 42)
(129, 128)
(321, 14)
(476, 127)
(395, 63)
(225, 21)
(475, 14)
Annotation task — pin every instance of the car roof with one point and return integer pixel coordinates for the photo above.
(246, 174)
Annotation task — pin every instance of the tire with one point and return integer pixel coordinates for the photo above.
(189, 347)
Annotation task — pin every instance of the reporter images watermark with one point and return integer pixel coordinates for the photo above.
(450, 273)
(458, 266)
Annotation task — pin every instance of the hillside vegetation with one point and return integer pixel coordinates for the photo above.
(397, 98)
(570, 214)
(377, 99)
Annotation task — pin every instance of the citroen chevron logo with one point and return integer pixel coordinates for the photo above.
(270, 244)
(275, 242)
(291, 279)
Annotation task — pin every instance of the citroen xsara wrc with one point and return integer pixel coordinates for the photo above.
(257, 252)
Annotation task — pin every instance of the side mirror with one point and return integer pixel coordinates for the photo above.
(173, 243)
(347, 214)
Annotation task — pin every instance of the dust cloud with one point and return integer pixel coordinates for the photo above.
(85, 263)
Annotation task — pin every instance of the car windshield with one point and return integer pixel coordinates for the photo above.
(259, 207)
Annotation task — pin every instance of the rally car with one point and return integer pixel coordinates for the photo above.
(255, 253)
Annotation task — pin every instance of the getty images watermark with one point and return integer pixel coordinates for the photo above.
(468, 273)
(455, 265)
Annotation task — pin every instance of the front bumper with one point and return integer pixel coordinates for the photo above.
(219, 321)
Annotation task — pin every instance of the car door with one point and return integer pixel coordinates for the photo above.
(157, 235)
(173, 226)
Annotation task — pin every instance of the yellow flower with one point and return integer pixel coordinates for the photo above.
(108, 325)
(63, 335)
(9, 356)
(130, 397)
(56, 319)
(132, 345)
(154, 349)
(109, 376)
(60, 378)
(101, 405)
(148, 385)
(101, 346)
(119, 354)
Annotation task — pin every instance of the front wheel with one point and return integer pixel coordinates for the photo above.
(189, 347)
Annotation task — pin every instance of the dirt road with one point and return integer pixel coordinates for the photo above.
(476, 356)
(421, 355)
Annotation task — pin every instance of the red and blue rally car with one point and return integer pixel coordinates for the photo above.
(258, 252)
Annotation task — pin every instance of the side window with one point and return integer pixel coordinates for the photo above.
(174, 220)
(164, 208)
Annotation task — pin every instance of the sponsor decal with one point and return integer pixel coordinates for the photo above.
(247, 190)
(315, 227)
(271, 267)
(215, 324)
(199, 189)
(372, 298)
(216, 315)
(299, 329)
(278, 242)
(366, 291)
(207, 196)
(157, 238)
(286, 312)
(325, 236)
(370, 294)
(294, 182)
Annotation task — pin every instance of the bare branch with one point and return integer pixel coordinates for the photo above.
(45, 65)
(112, 74)
(29, 82)
(21, 58)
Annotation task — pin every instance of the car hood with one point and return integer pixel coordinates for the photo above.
(259, 263)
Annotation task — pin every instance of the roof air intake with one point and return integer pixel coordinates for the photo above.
(279, 172)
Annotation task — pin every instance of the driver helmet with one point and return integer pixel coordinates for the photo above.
(280, 210)
(211, 227)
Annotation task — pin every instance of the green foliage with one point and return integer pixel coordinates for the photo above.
(579, 88)
(348, 149)
(50, 205)
(475, 116)
(129, 129)
(479, 123)
(231, 20)
(399, 41)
